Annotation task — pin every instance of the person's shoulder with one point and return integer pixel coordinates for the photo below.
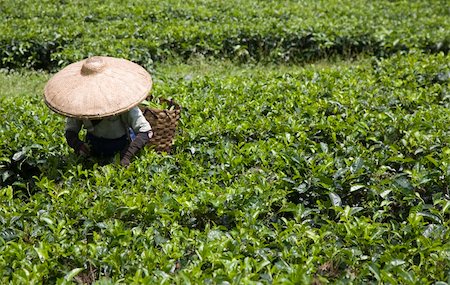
(72, 120)
(135, 111)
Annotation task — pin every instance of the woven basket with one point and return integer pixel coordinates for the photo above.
(164, 124)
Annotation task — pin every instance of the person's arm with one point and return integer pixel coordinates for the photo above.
(137, 144)
(143, 132)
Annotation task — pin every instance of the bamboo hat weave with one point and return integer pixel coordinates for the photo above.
(97, 87)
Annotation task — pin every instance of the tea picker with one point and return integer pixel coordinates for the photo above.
(102, 94)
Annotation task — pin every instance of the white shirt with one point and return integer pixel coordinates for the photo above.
(112, 127)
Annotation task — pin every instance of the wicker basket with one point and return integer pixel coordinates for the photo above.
(164, 124)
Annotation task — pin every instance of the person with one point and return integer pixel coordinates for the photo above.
(102, 94)
(126, 134)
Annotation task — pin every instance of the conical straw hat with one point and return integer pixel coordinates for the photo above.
(97, 87)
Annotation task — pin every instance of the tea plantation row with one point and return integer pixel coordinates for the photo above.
(49, 34)
(285, 175)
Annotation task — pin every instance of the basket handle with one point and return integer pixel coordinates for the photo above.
(151, 112)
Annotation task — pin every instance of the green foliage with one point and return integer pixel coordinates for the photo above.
(284, 175)
(48, 34)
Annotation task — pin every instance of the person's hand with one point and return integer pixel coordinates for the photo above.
(125, 162)
(84, 150)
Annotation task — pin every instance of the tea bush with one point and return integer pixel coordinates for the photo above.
(332, 173)
(48, 34)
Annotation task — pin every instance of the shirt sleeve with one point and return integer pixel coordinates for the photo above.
(73, 125)
(137, 121)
